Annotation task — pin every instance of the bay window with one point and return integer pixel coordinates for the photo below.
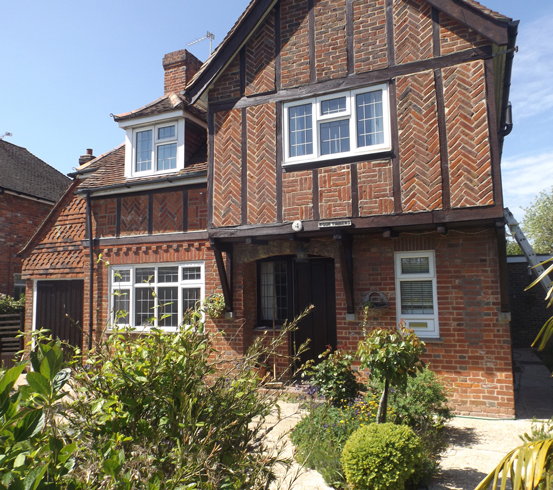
(337, 125)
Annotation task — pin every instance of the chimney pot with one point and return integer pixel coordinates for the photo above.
(86, 158)
(89, 151)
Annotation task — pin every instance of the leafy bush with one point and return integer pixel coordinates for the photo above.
(334, 378)
(10, 305)
(382, 457)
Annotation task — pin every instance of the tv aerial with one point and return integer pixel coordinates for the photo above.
(209, 36)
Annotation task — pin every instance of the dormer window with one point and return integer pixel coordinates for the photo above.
(155, 148)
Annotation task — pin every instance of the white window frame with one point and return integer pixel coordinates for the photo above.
(350, 114)
(182, 284)
(155, 123)
(432, 330)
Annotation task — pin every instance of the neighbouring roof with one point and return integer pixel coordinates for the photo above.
(169, 102)
(23, 172)
(110, 170)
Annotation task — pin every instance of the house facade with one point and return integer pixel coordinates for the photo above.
(29, 188)
(339, 153)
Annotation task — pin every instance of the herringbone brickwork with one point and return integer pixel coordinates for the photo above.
(260, 58)
(261, 164)
(104, 217)
(228, 84)
(369, 38)
(335, 192)
(134, 215)
(294, 43)
(413, 30)
(227, 153)
(197, 209)
(419, 143)
(167, 210)
(470, 171)
(375, 187)
(330, 39)
(457, 37)
(297, 195)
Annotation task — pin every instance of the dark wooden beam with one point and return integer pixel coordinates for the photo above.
(335, 162)
(396, 165)
(495, 152)
(315, 196)
(436, 39)
(390, 33)
(356, 81)
(185, 210)
(210, 166)
(244, 176)
(349, 37)
(345, 248)
(278, 62)
(311, 36)
(354, 191)
(278, 154)
(129, 241)
(118, 217)
(226, 282)
(502, 259)
(485, 25)
(442, 131)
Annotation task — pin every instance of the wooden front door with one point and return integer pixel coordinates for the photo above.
(314, 285)
(59, 308)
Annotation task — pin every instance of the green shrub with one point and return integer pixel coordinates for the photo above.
(10, 305)
(382, 457)
(334, 378)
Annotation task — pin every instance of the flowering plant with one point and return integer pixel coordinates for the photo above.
(214, 305)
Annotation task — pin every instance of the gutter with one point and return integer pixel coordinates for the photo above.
(26, 196)
(512, 33)
(130, 185)
(91, 271)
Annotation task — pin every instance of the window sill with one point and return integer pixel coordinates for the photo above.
(432, 340)
(263, 328)
(332, 162)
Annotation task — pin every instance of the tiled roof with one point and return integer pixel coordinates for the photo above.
(167, 103)
(21, 171)
(111, 169)
(492, 13)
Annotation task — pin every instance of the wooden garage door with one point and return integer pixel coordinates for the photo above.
(59, 308)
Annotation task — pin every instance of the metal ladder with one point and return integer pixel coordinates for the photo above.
(527, 249)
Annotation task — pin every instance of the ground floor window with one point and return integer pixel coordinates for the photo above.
(274, 284)
(416, 292)
(156, 295)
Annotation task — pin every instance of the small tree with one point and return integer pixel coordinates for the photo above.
(538, 222)
(392, 356)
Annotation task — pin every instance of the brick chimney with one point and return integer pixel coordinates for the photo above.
(180, 67)
(86, 158)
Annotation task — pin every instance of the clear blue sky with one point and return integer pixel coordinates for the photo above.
(66, 65)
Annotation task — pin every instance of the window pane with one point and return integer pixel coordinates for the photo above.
(334, 137)
(168, 301)
(167, 156)
(274, 290)
(145, 275)
(122, 275)
(301, 133)
(370, 119)
(166, 132)
(191, 273)
(415, 265)
(168, 274)
(333, 106)
(143, 150)
(121, 306)
(417, 298)
(190, 296)
(143, 306)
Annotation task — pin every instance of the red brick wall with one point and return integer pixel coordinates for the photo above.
(197, 209)
(470, 170)
(369, 39)
(134, 215)
(419, 143)
(261, 166)
(104, 217)
(335, 192)
(227, 173)
(413, 30)
(297, 192)
(19, 220)
(294, 53)
(330, 39)
(260, 58)
(228, 85)
(456, 37)
(167, 212)
(375, 185)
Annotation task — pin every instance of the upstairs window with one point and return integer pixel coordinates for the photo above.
(338, 125)
(416, 292)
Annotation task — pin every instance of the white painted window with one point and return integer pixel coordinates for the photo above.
(416, 292)
(155, 295)
(18, 286)
(337, 125)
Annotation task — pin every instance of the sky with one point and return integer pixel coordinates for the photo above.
(66, 65)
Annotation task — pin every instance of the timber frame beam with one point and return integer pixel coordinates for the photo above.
(226, 279)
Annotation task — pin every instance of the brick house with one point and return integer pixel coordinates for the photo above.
(29, 188)
(353, 154)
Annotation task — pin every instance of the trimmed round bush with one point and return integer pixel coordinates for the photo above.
(382, 457)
